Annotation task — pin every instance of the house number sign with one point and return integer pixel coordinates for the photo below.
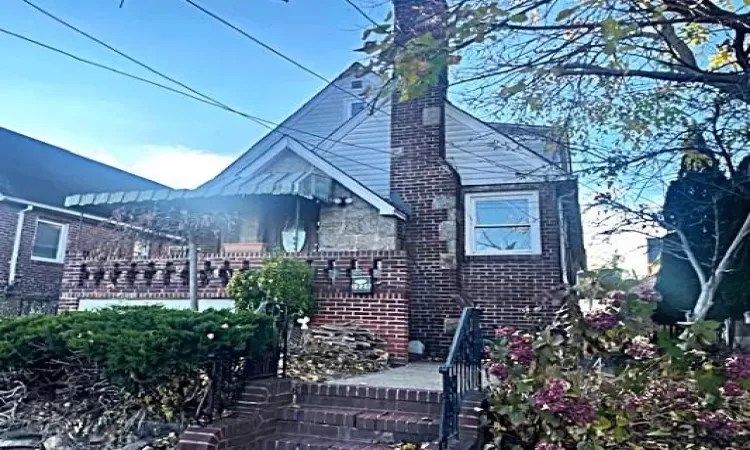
(361, 282)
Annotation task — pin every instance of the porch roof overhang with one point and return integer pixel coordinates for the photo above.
(308, 185)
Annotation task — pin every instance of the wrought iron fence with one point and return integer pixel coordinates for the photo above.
(228, 374)
(462, 371)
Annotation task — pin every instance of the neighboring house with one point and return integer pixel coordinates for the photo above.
(406, 211)
(35, 227)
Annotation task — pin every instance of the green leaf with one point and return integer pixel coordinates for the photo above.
(565, 13)
(519, 18)
(515, 89)
(602, 423)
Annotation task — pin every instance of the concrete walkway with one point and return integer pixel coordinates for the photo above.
(421, 375)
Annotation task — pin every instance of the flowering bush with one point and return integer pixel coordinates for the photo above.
(608, 380)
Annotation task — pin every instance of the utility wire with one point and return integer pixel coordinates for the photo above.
(111, 48)
(362, 13)
(331, 83)
(212, 101)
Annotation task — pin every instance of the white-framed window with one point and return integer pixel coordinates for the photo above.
(357, 84)
(50, 239)
(503, 223)
(354, 107)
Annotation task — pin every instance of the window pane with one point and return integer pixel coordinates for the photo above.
(356, 108)
(502, 212)
(502, 238)
(47, 240)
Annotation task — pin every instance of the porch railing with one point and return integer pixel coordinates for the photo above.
(462, 372)
(228, 375)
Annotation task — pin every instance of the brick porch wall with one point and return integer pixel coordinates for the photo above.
(385, 311)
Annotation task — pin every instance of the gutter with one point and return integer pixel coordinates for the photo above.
(17, 243)
(81, 215)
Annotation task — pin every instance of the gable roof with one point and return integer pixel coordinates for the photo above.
(359, 146)
(360, 190)
(34, 170)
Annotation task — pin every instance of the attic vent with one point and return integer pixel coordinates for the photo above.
(357, 84)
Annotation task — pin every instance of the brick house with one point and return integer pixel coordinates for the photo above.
(426, 205)
(35, 227)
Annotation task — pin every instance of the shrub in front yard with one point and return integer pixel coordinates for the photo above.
(604, 381)
(279, 279)
(158, 356)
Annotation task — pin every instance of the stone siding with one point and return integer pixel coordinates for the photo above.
(356, 226)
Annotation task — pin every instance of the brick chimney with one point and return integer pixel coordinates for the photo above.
(428, 184)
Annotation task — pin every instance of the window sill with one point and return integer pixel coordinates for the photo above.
(532, 254)
(47, 260)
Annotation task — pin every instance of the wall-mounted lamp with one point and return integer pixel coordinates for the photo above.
(343, 201)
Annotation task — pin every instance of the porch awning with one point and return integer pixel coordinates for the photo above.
(302, 184)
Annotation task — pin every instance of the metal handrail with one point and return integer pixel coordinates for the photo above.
(228, 374)
(461, 372)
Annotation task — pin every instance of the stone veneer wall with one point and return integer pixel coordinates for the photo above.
(385, 311)
(356, 226)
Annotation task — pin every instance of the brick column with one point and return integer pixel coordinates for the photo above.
(430, 186)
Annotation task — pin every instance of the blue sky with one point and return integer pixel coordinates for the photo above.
(130, 124)
(157, 134)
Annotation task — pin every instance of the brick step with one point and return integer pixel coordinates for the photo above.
(358, 425)
(293, 442)
(417, 401)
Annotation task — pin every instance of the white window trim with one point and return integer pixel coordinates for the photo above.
(348, 106)
(470, 211)
(62, 242)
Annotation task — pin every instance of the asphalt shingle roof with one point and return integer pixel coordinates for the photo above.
(36, 171)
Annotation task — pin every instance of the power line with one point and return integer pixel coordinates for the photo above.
(330, 83)
(212, 101)
(362, 13)
(257, 41)
(111, 48)
(260, 121)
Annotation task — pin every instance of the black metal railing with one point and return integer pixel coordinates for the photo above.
(462, 371)
(228, 373)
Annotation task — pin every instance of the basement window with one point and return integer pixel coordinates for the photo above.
(503, 223)
(50, 239)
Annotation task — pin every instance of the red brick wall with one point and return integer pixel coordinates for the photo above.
(38, 278)
(424, 180)
(508, 287)
(385, 311)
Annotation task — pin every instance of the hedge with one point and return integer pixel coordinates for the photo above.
(149, 352)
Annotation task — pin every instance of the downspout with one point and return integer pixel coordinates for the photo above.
(563, 236)
(17, 244)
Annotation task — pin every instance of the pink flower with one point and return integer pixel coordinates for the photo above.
(732, 389)
(649, 296)
(640, 348)
(601, 319)
(718, 423)
(504, 332)
(500, 371)
(548, 446)
(738, 367)
(521, 349)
